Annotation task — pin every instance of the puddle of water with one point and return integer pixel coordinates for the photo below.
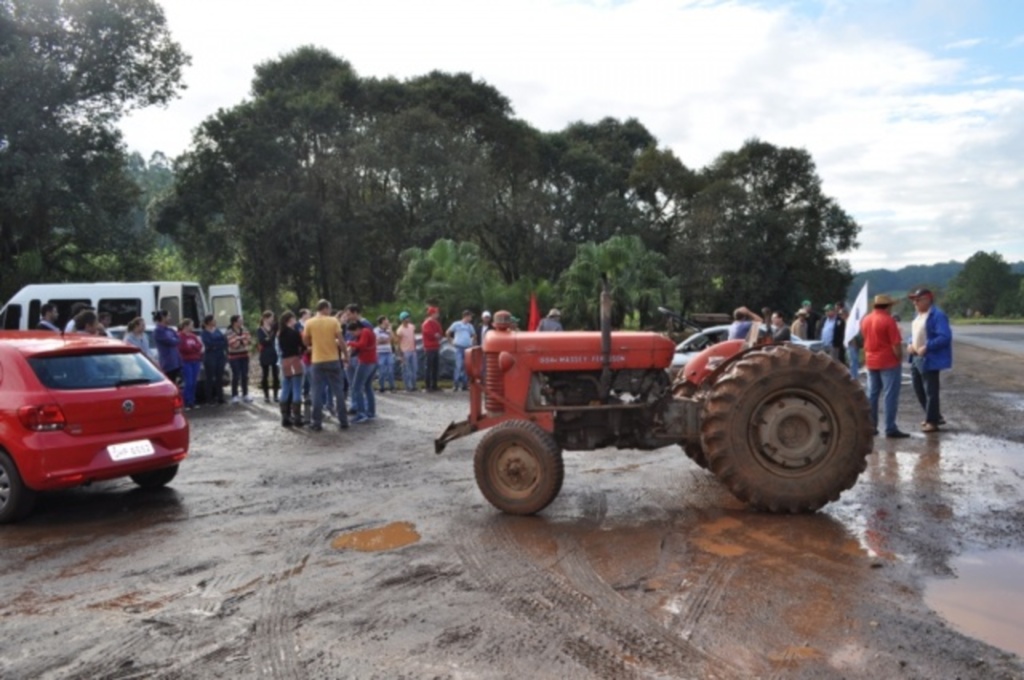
(986, 600)
(388, 537)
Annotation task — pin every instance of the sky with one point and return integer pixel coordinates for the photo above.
(913, 110)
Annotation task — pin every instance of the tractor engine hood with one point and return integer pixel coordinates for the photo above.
(581, 350)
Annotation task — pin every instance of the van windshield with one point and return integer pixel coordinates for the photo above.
(94, 371)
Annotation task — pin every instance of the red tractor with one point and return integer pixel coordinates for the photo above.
(783, 428)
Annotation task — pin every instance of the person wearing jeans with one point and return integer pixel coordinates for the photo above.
(883, 356)
(931, 350)
(432, 335)
(385, 354)
(290, 342)
(407, 345)
(322, 334)
(191, 349)
(238, 358)
(462, 335)
(885, 384)
(365, 345)
(215, 359)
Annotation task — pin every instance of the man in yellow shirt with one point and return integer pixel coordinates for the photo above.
(322, 334)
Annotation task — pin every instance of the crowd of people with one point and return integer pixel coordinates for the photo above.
(928, 350)
(322, 359)
(314, 364)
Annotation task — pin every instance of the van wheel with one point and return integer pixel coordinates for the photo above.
(16, 499)
(156, 478)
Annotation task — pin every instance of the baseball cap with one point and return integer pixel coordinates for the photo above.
(920, 292)
(485, 315)
(807, 303)
(403, 316)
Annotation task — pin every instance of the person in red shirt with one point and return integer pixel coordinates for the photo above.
(883, 357)
(364, 346)
(432, 334)
(191, 349)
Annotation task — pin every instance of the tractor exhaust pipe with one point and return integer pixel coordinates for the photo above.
(606, 340)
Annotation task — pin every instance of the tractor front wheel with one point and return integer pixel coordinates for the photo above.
(787, 430)
(518, 467)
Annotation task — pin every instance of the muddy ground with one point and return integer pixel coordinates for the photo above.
(644, 567)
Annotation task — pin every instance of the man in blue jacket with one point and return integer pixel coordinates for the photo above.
(931, 350)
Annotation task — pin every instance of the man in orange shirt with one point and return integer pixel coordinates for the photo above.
(883, 357)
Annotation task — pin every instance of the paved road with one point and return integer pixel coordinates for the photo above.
(1001, 338)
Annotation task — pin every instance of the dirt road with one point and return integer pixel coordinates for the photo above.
(285, 554)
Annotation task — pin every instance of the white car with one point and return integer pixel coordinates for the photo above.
(698, 342)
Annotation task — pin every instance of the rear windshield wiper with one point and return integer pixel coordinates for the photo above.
(132, 381)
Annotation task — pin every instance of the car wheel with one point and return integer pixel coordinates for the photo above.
(16, 499)
(156, 478)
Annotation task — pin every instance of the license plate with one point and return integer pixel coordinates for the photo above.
(137, 449)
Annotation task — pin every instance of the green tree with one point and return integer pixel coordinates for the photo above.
(68, 71)
(983, 286)
(452, 276)
(637, 277)
(761, 232)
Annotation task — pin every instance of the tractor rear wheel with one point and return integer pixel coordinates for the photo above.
(693, 449)
(787, 430)
(518, 467)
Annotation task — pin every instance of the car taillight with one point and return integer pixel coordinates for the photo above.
(179, 403)
(42, 418)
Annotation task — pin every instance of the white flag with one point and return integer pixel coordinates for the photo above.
(859, 311)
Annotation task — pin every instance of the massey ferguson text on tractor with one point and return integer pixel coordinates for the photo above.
(783, 428)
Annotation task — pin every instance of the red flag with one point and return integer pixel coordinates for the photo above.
(534, 313)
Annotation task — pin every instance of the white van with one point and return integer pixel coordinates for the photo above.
(123, 301)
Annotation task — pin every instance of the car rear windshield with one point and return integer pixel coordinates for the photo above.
(94, 371)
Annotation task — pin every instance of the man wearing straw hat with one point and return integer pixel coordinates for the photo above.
(883, 357)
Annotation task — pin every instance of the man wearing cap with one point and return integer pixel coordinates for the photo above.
(552, 322)
(407, 346)
(463, 336)
(883, 357)
(432, 334)
(931, 350)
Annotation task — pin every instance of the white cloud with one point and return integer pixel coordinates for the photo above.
(963, 44)
(917, 147)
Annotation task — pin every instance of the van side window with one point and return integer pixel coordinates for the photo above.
(12, 317)
(173, 307)
(121, 311)
(33, 314)
(224, 307)
(64, 309)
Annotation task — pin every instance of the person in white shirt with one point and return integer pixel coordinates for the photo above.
(463, 336)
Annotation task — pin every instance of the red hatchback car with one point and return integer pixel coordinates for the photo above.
(75, 409)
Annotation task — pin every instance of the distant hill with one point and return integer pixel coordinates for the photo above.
(908, 278)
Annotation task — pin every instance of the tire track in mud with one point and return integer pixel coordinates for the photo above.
(669, 644)
(579, 615)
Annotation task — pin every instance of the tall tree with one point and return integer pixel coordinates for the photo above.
(762, 232)
(69, 69)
